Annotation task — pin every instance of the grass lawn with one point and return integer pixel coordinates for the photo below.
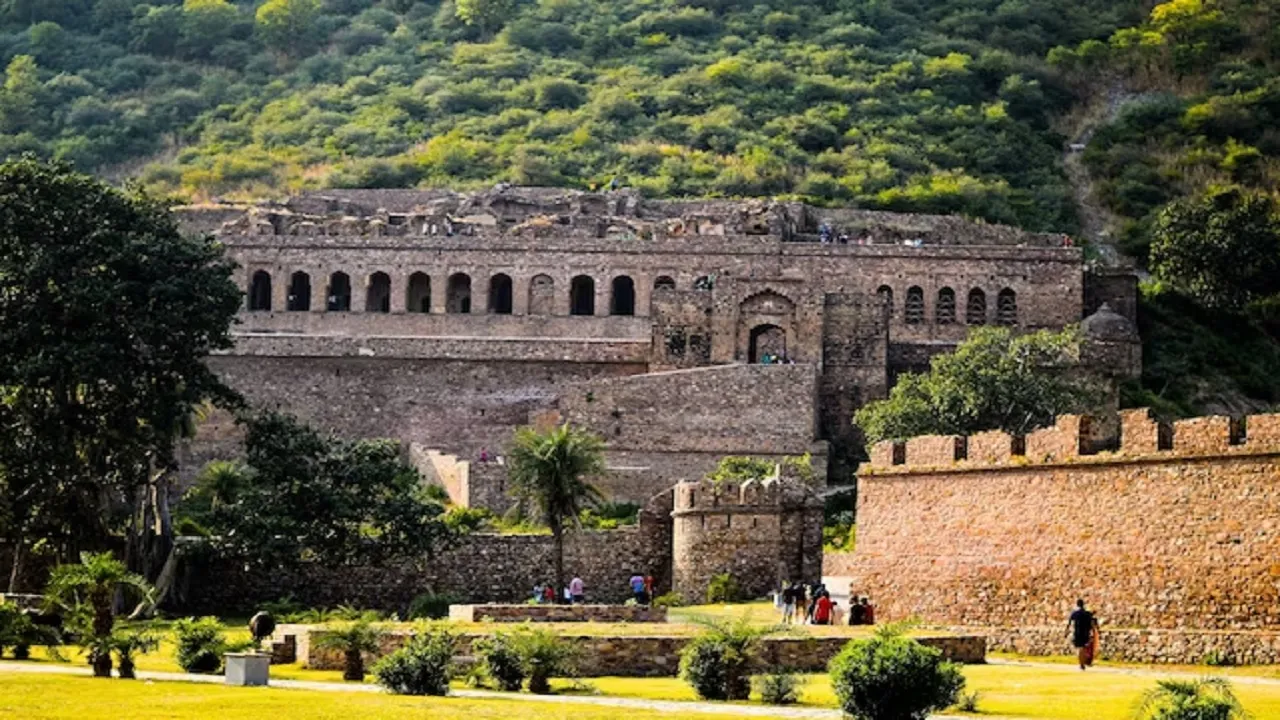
(36, 697)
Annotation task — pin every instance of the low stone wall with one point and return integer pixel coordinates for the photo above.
(557, 613)
(656, 656)
(1183, 647)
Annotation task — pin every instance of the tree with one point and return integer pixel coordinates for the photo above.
(487, 15)
(87, 591)
(107, 312)
(550, 468)
(1200, 699)
(288, 26)
(206, 24)
(333, 501)
(993, 380)
(354, 640)
(1222, 248)
(20, 95)
(717, 663)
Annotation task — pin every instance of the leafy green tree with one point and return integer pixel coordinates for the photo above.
(1201, 699)
(329, 500)
(87, 591)
(993, 380)
(288, 26)
(354, 640)
(1222, 248)
(20, 95)
(718, 662)
(107, 312)
(487, 15)
(550, 468)
(206, 24)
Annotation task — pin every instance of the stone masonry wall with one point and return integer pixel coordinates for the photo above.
(557, 613)
(1183, 539)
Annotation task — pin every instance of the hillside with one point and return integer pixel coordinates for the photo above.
(894, 104)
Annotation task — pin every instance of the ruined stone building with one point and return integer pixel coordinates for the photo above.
(680, 331)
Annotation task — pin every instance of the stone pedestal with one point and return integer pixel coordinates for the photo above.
(247, 669)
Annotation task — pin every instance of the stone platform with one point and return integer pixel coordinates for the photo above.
(557, 613)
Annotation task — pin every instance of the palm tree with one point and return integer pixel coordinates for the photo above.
(219, 483)
(1203, 699)
(549, 468)
(87, 592)
(353, 640)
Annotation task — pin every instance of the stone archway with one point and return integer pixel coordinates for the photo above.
(766, 341)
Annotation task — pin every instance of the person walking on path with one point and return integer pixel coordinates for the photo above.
(637, 589)
(577, 592)
(1082, 626)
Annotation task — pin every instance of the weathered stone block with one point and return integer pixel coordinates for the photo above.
(1139, 433)
(1203, 435)
(1058, 443)
(994, 447)
(935, 450)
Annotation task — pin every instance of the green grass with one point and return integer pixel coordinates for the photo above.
(36, 697)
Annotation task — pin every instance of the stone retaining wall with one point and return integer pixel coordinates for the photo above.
(557, 613)
(1183, 647)
(630, 656)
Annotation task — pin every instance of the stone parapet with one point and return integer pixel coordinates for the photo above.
(557, 613)
(1070, 441)
(1181, 647)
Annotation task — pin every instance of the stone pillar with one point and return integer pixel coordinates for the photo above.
(564, 290)
(604, 296)
(319, 290)
(399, 288)
(439, 292)
(479, 294)
(519, 295)
(644, 295)
(279, 290)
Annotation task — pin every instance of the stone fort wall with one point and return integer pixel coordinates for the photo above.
(1168, 528)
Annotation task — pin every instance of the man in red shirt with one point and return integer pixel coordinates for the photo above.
(822, 610)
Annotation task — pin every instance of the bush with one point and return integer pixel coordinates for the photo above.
(500, 661)
(968, 702)
(431, 606)
(354, 640)
(1200, 699)
(544, 655)
(669, 600)
(465, 520)
(723, 588)
(893, 677)
(20, 632)
(778, 688)
(201, 644)
(422, 667)
(717, 663)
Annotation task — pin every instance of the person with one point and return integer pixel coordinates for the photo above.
(637, 588)
(815, 592)
(857, 612)
(788, 603)
(539, 592)
(822, 609)
(548, 593)
(648, 587)
(837, 613)
(1082, 628)
(484, 455)
(577, 592)
(868, 611)
(798, 598)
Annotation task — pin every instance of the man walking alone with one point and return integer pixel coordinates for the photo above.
(1082, 626)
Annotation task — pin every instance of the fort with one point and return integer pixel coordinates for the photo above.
(1171, 532)
(681, 332)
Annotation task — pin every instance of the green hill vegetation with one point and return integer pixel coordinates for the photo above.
(941, 106)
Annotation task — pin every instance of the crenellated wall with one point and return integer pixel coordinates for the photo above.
(1171, 527)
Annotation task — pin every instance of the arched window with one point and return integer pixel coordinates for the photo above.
(622, 301)
(975, 312)
(260, 291)
(1007, 307)
(582, 296)
(885, 293)
(542, 295)
(768, 345)
(457, 298)
(664, 282)
(417, 298)
(299, 292)
(944, 312)
(378, 296)
(339, 292)
(913, 310)
(500, 294)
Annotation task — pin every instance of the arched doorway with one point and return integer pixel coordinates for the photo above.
(622, 301)
(260, 292)
(299, 292)
(458, 294)
(339, 292)
(418, 296)
(768, 345)
(500, 294)
(377, 298)
(582, 296)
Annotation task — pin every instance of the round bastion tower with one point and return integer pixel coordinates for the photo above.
(762, 532)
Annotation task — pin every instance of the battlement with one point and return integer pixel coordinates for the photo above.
(1078, 438)
(750, 496)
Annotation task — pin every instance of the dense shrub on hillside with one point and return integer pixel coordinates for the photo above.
(942, 107)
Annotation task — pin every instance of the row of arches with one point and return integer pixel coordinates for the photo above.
(457, 294)
(945, 308)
